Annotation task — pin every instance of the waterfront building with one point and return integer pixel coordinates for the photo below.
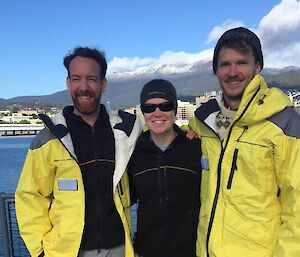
(20, 129)
(17, 118)
(28, 112)
(206, 97)
(295, 98)
(185, 110)
(4, 112)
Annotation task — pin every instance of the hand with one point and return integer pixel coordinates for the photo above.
(191, 135)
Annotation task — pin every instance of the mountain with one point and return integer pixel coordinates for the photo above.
(190, 80)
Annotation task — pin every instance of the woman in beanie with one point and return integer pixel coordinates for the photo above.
(164, 173)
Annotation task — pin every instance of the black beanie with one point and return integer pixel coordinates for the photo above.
(159, 88)
(237, 35)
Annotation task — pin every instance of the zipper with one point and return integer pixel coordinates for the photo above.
(159, 177)
(121, 188)
(245, 128)
(165, 184)
(233, 168)
(213, 210)
(99, 207)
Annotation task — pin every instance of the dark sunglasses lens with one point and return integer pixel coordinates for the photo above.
(148, 108)
(166, 107)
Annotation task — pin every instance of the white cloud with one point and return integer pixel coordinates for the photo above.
(217, 31)
(179, 58)
(123, 64)
(281, 26)
(279, 32)
(283, 57)
(120, 64)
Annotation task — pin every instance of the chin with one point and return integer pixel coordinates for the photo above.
(159, 131)
(87, 111)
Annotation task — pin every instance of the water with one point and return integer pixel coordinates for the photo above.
(13, 151)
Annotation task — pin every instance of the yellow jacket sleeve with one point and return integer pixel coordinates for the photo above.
(33, 198)
(287, 162)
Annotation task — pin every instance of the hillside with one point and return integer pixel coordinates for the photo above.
(123, 89)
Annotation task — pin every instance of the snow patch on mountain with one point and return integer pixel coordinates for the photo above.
(162, 69)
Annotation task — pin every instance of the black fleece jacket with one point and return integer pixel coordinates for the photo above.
(167, 188)
(95, 150)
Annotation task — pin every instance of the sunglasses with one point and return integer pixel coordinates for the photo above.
(164, 107)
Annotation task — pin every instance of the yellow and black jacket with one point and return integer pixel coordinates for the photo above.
(250, 190)
(50, 197)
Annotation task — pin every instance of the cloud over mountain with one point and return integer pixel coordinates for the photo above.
(279, 32)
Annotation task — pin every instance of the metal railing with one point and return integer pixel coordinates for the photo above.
(12, 244)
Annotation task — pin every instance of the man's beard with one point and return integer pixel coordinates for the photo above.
(86, 109)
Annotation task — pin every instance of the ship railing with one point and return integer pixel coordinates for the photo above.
(12, 243)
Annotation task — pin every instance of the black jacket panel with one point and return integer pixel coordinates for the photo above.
(95, 150)
(166, 186)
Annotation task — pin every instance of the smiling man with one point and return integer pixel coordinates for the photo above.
(250, 190)
(71, 200)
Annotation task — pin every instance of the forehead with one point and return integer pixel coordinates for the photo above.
(156, 101)
(227, 54)
(81, 65)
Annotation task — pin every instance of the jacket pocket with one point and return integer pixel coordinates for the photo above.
(233, 168)
(65, 236)
(242, 231)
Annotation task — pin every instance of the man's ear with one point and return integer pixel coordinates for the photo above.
(103, 85)
(68, 82)
(257, 68)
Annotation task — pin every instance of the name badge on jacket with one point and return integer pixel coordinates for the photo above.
(67, 184)
(204, 163)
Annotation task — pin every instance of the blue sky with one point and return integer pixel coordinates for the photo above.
(36, 34)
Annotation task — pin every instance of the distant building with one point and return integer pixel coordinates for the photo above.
(5, 112)
(295, 98)
(185, 110)
(206, 97)
(17, 118)
(28, 112)
(20, 129)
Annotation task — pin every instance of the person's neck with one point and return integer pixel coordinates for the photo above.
(89, 118)
(231, 104)
(163, 140)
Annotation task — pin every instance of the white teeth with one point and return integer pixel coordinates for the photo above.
(158, 121)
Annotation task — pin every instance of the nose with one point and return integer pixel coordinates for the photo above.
(157, 111)
(84, 84)
(232, 70)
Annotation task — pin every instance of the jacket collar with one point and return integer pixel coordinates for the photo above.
(126, 128)
(258, 103)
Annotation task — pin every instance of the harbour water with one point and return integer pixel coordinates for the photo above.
(12, 155)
